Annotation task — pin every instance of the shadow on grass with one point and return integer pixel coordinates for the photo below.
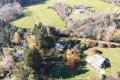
(29, 13)
(59, 70)
(36, 3)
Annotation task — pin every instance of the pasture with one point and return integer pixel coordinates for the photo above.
(111, 53)
(40, 13)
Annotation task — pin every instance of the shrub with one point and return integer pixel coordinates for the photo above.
(94, 44)
(111, 45)
(102, 45)
(83, 47)
(88, 42)
(95, 51)
(116, 36)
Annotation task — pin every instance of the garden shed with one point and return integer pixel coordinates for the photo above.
(98, 62)
(62, 45)
(80, 11)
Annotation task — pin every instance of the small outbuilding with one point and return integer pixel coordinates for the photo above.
(80, 11)
(62, 45)
(98, 62)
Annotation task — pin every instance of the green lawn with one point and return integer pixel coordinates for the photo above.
(113, 54)
(40, 13)
(97, 5)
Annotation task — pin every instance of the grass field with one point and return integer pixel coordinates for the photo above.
(98, 5)
(40, 13)
(112, 54)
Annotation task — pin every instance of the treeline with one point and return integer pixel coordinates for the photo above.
(10, 11)
(113, 1)
(22, 2)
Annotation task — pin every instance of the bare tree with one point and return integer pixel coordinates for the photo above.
(10, 11)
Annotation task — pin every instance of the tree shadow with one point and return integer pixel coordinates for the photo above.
(59, 70)
(36, 3)
(29, 13)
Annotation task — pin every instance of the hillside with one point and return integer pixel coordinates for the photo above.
(40, 12)
(59, 40)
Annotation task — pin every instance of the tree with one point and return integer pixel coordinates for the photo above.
(40, 33)
(6, 31)
(72, 58)
(11, 11)
(16, 38)
(32, 43)
(33, 60)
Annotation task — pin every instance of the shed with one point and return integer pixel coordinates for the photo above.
(62, 45)
(98, 62)
(79, 11)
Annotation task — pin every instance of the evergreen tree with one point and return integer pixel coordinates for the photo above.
(40, 33)
(33, 60)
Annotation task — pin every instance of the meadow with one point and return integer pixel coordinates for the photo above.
(40, 13)
(111, 53)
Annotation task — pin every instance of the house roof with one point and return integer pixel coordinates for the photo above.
(63, 42)
(20, 52)
(79, 11)
(61, 45)
(96, 60)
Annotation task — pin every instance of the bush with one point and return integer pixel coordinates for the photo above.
(83, 47)
(102, 45)
(116, 36)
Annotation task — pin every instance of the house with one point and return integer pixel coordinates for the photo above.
(80, 11)
(98, 62)
(62, 45)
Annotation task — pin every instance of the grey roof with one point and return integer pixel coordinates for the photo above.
(96, 60)
(61, 45)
